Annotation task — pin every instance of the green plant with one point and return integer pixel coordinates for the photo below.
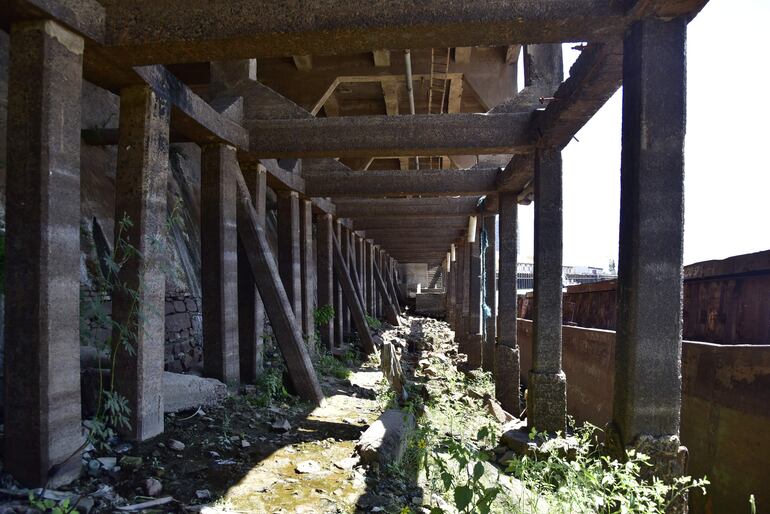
(50, 506)
(372, 322)
(328, 364)
(323, 315)
(269, 388)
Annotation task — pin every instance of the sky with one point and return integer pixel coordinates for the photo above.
(727, 170)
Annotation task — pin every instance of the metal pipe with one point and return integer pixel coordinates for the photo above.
(410, 90)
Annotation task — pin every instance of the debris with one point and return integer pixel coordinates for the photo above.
(175, 445)
(245, 443)
(281, 425)
(130, 462)
(153, 487)
(496, 410)
(391, 368)
(308, 466)
(348, 463)
(146, 505)
(203, 494)
(385, 440)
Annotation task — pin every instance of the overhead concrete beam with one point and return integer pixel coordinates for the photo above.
(395, 183)
(401, 207)
(84, 17)
(151, 31)
(364, 136)
(459, 221)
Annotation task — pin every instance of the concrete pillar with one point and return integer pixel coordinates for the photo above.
(647, 398)
(289, 265)
(465, 306)
(251, 310)
(547, 396)
(140, 196)
(507, 359)
(376, 250)
(338, 297)
(448, 283)
(473, 327)
(219, 264)
(347, 247)
(307, 271)
(325, 224)
(42, 366)
(369, 277)
(459, 327)
(490, 287)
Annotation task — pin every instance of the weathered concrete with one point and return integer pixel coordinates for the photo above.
(364, 136)
(42, 379)
(219, 264)
(547, 398)
(346, 244)
(325, 267)
(288, 333)
(369, 276)
(397, 183)
(404, 207)
(289, 264)
(388, 308)
(183, 392)
(140, 195)
(385, 441)
(648, 367)
(473, 328)
(490, 299)
(459, 317)
(391, 368)
(307, 268)
(251, 310)
(342, 276)
(338, 292)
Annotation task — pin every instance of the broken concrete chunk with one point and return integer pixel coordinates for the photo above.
(391, 368)
(280, 425)
(385, 440)
(308, 467)
(348, 463)
(183, 392)
(175, 445)
(496, 410)
(153, 487)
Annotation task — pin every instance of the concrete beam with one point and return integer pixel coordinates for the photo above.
(287, 330)
(394, 136)
(147, 31)
(397, 183)
(401, 207)
(83, 17)
(454, 221)
(381, 58)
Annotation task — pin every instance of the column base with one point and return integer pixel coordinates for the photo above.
(473, 349)
(508, 378)
(547, 402)
(488, 354)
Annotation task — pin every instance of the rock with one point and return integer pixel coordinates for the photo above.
(183, 392)
(107, 463)
(175, 445)
(153, 487)
(308, 467)
(496, 411)
(391, 368)
(516, 437)
(281, 425)
(348, 463)
(131, 463)
(385, 440)
(245, 443)
(203, 494)
(507, 457)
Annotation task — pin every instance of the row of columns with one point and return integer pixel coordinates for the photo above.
(647, 394)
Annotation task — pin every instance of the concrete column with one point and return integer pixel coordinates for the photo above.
(289, 265)
(369, 277)
(307, 271)
(42, 366)
(140, 196)
(473, 327)
(647, 398)
(507, 359)
(338, 297)
(251, 310)
(325, 224)
(347, 246)
(490, 286)
(459, 327)
(448, 279)
(375, 292)
(466, 303)
(361, 256)
(547, 397)
(219, 264)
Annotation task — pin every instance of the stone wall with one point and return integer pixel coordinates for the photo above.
(725, 408)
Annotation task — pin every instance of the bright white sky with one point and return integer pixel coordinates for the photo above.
(727, 169)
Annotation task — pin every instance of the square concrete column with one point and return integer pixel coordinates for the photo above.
(507, 359)
(325, 224)
(369, 277)
(347, 247)
(42, 366)
(375, 292)
(547, 396)
(338, 297)
(459, 327)
(448, 279)
(251, 310)
(466, 303)
(219, 263)
(140, 196)
(289, 264)
(360, 261)
(490, 293)
(307, 269)
(648, 375)
(473, 327)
